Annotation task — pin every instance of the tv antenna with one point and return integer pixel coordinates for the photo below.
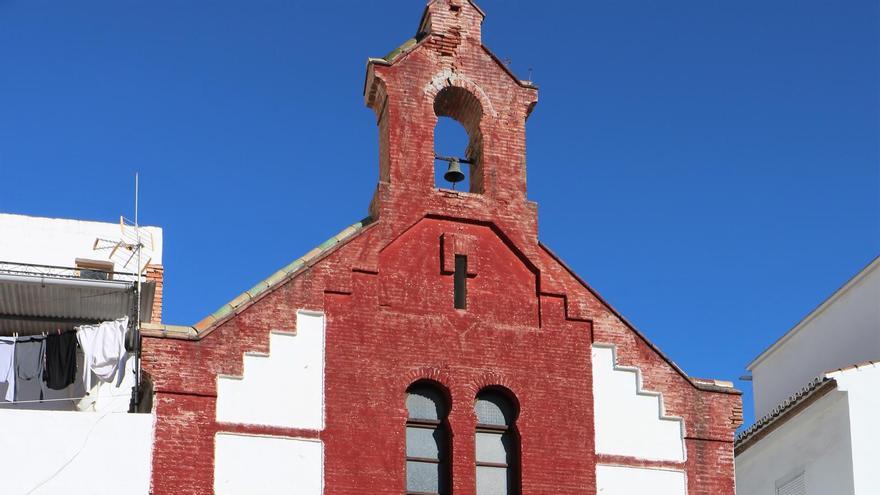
(133, 250)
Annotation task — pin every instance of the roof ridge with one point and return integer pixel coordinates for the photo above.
(826, 302)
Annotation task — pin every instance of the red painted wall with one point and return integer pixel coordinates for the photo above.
(388, 299)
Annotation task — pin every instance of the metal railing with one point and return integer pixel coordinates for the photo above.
(52, 271)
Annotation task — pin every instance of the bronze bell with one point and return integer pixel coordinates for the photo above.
(453, 172)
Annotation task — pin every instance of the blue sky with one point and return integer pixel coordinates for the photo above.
(711, 168)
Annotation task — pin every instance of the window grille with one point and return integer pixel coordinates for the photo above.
(794, 486)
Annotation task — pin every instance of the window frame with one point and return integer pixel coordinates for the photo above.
(444, 457)
(105, 267)
(514, 481)
(494, 430)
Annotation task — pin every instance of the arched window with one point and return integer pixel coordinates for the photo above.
(427, 440)
(497, 444)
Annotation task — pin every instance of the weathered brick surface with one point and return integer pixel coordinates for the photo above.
(387, 295)
(185, 430)
(156, 274)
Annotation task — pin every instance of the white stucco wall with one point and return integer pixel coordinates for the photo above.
(264, 465)
(844, 330)
(619, 480)
(88, 453)
(630, 421)
(862, 387)
(816, 442)
(60, 241)
(284, 388)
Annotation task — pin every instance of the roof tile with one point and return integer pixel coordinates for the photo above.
(205, 323)
(241, 299)
(781, 409)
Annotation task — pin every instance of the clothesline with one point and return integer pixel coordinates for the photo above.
(63, 399)
(49, 361)
(44, 333)
(47, 325)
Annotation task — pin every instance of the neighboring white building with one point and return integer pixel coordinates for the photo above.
(817, 397)
(57, 274)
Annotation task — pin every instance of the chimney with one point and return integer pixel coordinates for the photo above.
(155, 273)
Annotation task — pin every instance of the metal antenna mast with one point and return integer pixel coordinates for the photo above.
(123, 252)
(137, 233)
(137, 322)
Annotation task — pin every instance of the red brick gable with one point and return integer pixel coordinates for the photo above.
(387, 293)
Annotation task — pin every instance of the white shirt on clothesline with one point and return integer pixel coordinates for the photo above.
(103, 348)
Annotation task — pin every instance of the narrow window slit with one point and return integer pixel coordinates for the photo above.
(460, 282)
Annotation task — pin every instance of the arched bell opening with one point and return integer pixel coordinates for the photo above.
(458, 141)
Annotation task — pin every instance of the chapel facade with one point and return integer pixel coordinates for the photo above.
(437, 346)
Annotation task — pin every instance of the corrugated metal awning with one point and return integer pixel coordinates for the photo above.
(34, 303)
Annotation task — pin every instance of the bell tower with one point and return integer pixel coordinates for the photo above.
(445, 71)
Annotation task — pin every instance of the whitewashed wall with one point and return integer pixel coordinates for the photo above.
(816, 442)
(844, 330)
(862, 388)
(88, 453)
(630, 421)
(60, 241)
(282, 389)
(619, 480)
(264, 465)
(84, 446)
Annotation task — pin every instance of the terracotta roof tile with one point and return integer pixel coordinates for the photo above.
(781, 410)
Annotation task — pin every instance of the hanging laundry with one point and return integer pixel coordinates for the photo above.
(7, 366)
(29, 355)
(60, 360)
(103, 348)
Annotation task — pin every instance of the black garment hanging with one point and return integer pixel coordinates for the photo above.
(60, 360)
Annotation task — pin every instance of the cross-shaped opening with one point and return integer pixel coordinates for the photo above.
(460, 282)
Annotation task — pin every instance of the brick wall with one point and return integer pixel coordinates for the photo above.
(156, 273)
(387, 294)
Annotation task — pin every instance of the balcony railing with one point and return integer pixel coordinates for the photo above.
(51, 271)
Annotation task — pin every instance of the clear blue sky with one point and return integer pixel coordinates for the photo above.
(710, 167)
